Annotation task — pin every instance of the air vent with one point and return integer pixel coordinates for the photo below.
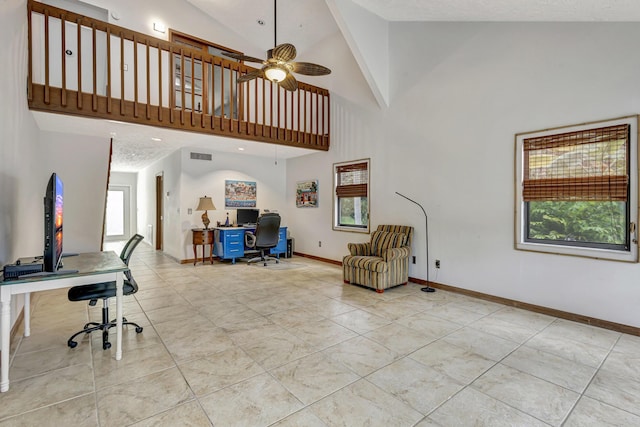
(201, 156)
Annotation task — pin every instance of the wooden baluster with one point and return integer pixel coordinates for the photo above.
(222, 115)
(182, 87)
(122, 106)
(231, 99)
(148, 58)
(328, 97)
(322, 119)
(213, 93)
(63, 37)
(172, 80)
(304, 134)
(47, 100)
(94, 97)
(30, 53)
(255, 106)
(264, 105)
(298, 129)
(135, 76)
(317, 115)
(205, 87)
(159, 83)
(289, 118)
(193, 89)
(271, 110)
(109, 70)
(79, 49)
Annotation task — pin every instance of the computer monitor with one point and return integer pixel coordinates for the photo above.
(53, 202)
(247, 216)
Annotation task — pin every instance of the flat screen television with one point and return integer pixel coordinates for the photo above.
(53, 203)
(247, 216)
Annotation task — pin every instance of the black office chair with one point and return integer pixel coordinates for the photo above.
(104, 291)
(267, 235)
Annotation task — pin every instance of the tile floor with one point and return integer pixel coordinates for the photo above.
(290, 345)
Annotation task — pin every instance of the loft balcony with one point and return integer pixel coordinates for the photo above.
(85, 67)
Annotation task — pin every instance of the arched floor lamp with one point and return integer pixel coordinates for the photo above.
(426, 233)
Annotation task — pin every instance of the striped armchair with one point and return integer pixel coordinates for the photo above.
(381, 263)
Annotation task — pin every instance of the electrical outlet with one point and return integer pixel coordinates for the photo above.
(319, 243)
(437, 263)
(413, 259)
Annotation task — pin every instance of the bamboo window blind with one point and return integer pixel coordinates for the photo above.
(352, 180)
(586, 165)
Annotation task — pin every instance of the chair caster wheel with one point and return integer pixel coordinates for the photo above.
(106, 345)
(139, 329)
(72, 344)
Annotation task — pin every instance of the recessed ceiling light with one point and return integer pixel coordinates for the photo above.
(260, 21)
(156, 139)
(240, 148)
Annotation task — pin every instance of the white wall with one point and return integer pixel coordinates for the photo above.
(22, 182)
(460, 93)
(85, 185)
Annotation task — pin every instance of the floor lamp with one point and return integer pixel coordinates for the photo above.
(426, 233)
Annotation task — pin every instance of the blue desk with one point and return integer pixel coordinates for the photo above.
(229, 242)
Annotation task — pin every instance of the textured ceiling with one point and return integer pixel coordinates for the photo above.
(134, 148)
(306, 23)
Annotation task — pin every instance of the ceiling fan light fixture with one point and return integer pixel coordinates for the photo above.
(276, 73)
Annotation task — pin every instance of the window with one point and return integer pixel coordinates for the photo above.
(351, 202)
(577, 188)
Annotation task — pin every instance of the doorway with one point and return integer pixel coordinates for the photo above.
(118, 213)
(159, 212)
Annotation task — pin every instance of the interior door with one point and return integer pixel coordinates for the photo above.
(159, 212)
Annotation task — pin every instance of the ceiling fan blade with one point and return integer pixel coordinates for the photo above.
(284, 52)
(309, 69)
(251, 75)
(289, 83)
(241, 57)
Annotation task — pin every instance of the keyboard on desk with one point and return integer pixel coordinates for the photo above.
(249, 225)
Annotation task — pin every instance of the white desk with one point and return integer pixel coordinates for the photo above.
(94, 267)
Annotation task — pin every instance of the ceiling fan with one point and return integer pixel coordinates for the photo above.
(279, 64)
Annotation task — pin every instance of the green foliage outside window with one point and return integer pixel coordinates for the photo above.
(347, 207)
(593, 222)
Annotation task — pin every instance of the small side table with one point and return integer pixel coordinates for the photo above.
(202, 237)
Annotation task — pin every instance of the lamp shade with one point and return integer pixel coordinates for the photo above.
(205, 204)
(275, 73)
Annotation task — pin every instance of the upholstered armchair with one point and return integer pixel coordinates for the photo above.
(382, 262)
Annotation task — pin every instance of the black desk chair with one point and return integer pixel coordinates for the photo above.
(267, 235)
(104, 291)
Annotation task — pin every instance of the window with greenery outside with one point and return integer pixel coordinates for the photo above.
(352, 195)
(576, 188)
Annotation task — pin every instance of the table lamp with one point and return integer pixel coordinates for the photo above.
(205, 204)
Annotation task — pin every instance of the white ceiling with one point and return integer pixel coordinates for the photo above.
(504, 10)
(306, 23)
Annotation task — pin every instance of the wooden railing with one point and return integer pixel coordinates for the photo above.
(81, 66)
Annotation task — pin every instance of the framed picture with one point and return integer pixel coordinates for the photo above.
(307, 194)
(239, 194)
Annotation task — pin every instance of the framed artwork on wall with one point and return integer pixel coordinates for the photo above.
(307, 194)
(239, 194)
